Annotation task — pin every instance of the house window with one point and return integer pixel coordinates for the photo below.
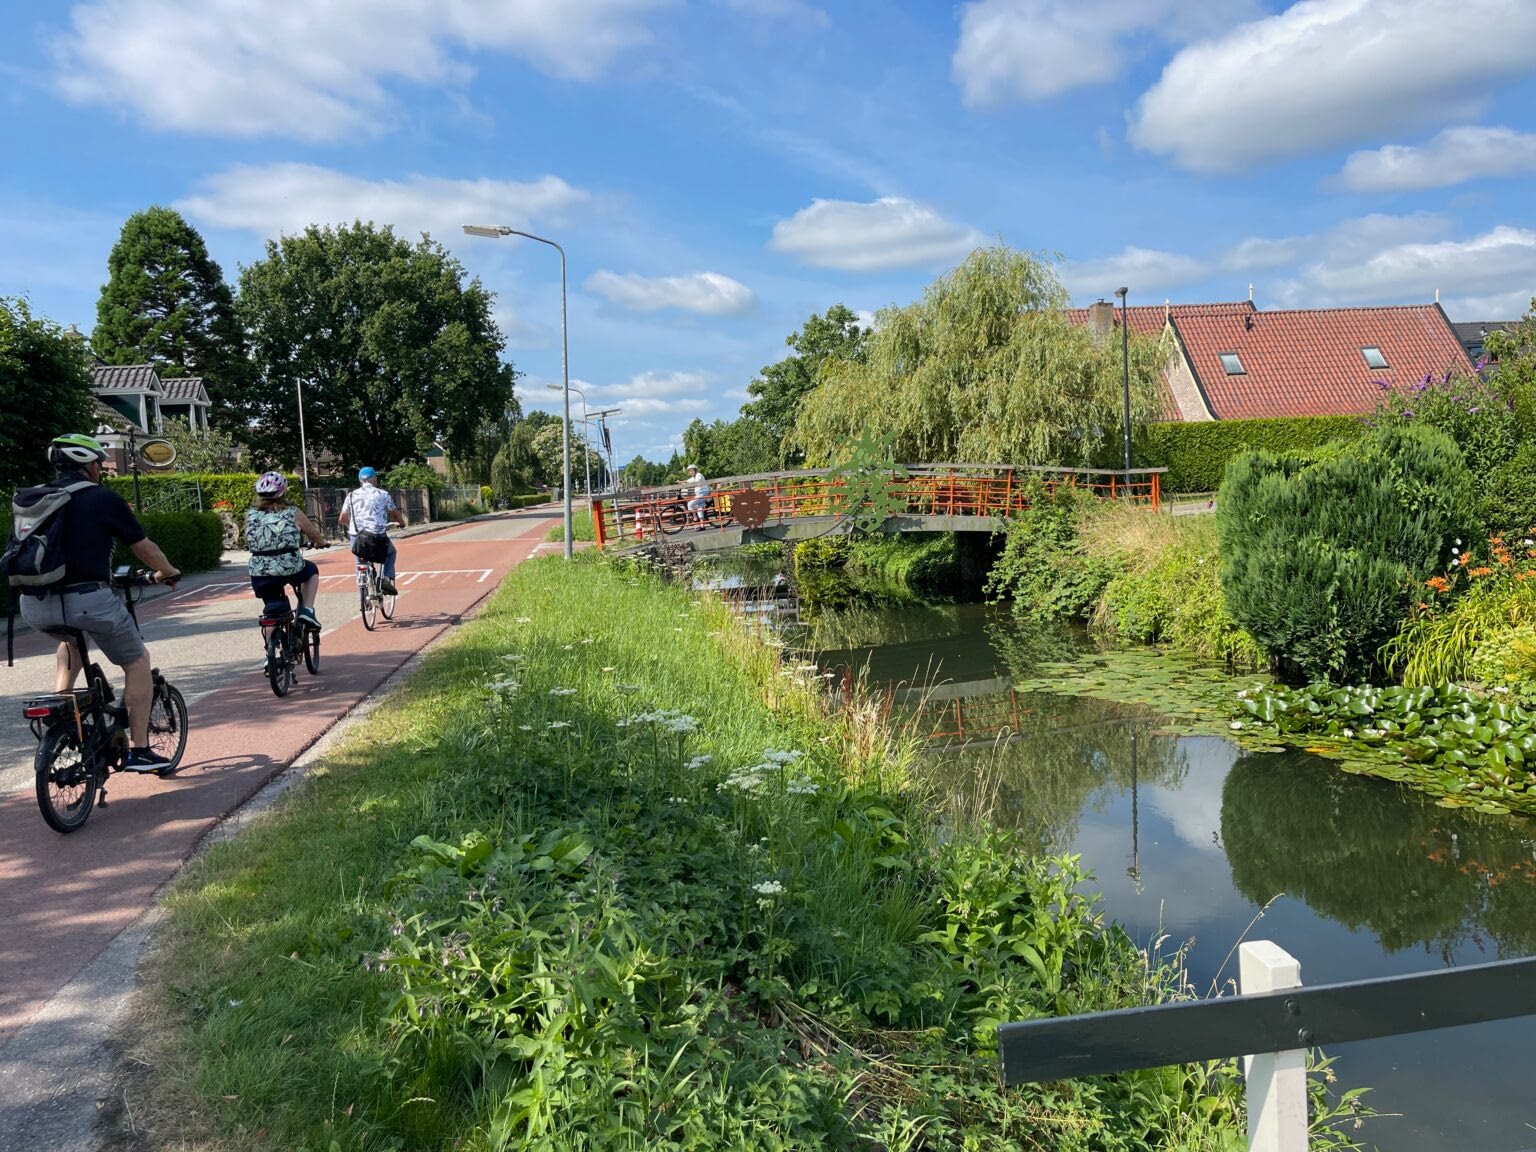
(1232, 364)
(1373, 357)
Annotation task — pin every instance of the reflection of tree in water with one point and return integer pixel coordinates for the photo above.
(1067, 749)
(1368, 854)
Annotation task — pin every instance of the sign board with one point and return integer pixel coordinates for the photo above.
(157, 453)
(750, 509)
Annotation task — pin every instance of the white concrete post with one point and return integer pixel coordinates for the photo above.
(1277, 1081)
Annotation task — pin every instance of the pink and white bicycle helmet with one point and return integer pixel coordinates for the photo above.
(271, 484)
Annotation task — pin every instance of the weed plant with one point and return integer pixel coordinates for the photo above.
(606, 876)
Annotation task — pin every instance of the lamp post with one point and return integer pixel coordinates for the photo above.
(602, 423)
(1125, 348)
(298, 386)
(497, 232)
(586, 456)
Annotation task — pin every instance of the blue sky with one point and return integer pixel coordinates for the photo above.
(719, 169)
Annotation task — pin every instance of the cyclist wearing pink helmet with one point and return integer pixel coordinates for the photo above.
(274, 532)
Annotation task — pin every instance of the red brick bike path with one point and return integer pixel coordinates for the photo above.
(64, 898)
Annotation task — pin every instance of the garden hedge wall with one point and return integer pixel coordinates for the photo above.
(237, 489)
(1196, 454)
(193, 541)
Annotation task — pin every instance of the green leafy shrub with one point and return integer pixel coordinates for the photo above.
(411, 475)
(1196, 454)
(921, 562)
(527, 499)
(1320, 560)
(1044, 568)
(236, 490)
(193, 541)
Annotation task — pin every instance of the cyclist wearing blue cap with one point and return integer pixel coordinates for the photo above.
(367, 515)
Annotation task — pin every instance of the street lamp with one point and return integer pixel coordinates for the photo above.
(1125, 347)
(303, 448)
(586, 455)
(497, 232)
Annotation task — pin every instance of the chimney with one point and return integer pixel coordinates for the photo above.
(1101, 321)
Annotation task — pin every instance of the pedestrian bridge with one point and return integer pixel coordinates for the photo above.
(799, 505)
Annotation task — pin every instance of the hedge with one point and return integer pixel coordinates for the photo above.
(192, 541)
(528, 499)
(1196, 454)
(237, 489)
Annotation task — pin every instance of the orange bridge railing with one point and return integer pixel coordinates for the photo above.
(981, 490)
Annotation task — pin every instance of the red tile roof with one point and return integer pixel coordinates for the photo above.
(1309, 363)
(1147, 319)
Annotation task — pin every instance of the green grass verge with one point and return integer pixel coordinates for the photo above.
(581, 526)
(604, 875)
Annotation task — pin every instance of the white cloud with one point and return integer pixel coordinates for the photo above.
(314, 70)
(1034, 49)
(890, 232)
(655, 394)
(287, 198)
(706, 292)
(1147, 269)
(1455, 156)
(1326, 73)
(1498, 264)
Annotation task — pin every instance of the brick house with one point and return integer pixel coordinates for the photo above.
(1235, 362)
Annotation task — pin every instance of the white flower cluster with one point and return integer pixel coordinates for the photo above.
(514, 657)
(556, 724)
(1236, 725)
(676, 723)
(503, 685)
(782, 757)
(525, 619)
(769, 888)
(748, 781)
(803, 788)
(562, 691)
(699, 761)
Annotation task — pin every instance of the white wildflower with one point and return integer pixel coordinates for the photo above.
(1349, 733)
(700, 761)
(557, 724)
(803, 788)
(568, 647)
(525, 727)
(768, 888)
(525, 619)
(1236, 725)
(782, 757)
(514, 657)
(610, 668)
(562, 691)
(588, 640)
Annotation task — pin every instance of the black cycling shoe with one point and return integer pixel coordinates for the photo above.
(147, 760)
(387, 586)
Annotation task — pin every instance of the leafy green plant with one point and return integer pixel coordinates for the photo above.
(1197, 454)
(192, 541)
(867, 474)
(1464, 747)
(1044, 568)
(1319, 560)
(410, 475)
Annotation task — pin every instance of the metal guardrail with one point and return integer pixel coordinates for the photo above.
(981, 490)
(1275, 1018)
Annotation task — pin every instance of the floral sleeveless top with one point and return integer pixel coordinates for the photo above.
(277, 534)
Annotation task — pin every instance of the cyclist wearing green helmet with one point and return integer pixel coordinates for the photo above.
(95, 519)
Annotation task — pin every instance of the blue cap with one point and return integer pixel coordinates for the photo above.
(366, 473)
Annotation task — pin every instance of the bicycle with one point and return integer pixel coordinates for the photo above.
(372, 599)
(82, 735)
(285, 637)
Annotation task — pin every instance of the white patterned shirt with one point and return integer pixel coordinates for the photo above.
(368, 510)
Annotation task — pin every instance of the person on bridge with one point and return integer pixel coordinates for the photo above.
(94, 520)
(275, 532)
(367, 515)
(700, 488)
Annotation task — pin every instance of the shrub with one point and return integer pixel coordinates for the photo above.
(192, 541)
(237, 489)
(923, 562)
(1044, 568)
(413, 476)
(1319, 560)
(1196, 455)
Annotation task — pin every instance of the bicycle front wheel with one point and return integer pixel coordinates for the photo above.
(168, 725)
(278, 666)
(368, 595)
(66, 787)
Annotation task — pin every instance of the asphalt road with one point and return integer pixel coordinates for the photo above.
(63, 899)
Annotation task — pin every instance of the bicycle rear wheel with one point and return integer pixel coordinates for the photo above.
(367, 593)
(312, 650)
(278, 667)
(387, 605)
(168, 725)
(66, 787)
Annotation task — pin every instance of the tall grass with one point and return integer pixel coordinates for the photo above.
(581, 526)
(605, 875)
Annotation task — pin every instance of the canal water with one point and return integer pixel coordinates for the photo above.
(1190, 838)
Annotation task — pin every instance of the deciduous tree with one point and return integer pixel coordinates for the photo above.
(394, 350)
(782, 385)
(985, 368)
(45, 391)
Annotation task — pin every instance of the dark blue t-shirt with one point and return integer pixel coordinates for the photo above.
(96, 519)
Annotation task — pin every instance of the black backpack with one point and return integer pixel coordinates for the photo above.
(34, 553)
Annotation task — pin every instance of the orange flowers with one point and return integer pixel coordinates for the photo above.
(1483, 571)
(1438, 583)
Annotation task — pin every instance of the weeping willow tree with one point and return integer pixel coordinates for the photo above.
(985, 368)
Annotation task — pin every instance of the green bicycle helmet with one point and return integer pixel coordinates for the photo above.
(74, 448)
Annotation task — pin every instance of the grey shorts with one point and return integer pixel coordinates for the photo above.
(99, 614)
